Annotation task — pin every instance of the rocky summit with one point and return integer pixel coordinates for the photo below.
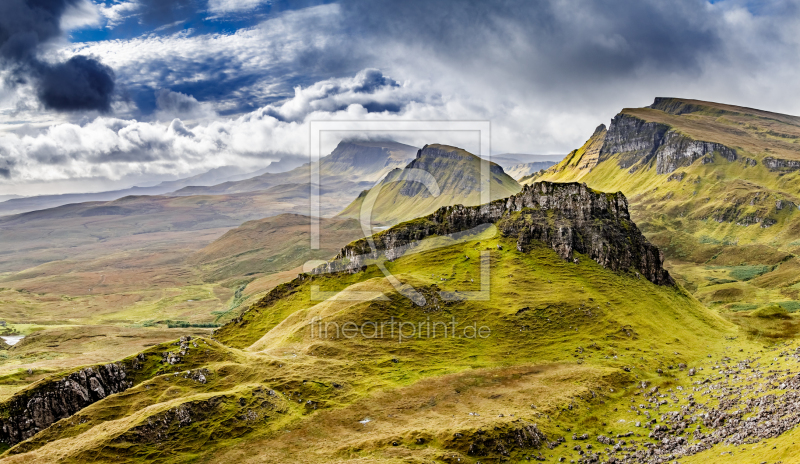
(569, 217)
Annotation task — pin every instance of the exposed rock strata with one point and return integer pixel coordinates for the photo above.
(570, 218)
(639, 141)
(36, 409)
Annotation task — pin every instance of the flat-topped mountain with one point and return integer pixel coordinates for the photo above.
(711, 184)
(408, 193)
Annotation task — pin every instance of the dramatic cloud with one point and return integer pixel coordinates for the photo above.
(240, 71)
(111, 148)
(544, 73)
(80, 83)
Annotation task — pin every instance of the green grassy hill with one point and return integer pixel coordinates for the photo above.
(398, 197)
(716, 187)
(556, 345)
(150, 262)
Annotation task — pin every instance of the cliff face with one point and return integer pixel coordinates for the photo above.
(36, 409)
(568, 217)
(639, 141)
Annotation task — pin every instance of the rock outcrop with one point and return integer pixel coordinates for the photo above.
(777, 164)
(569, 217)
(639, 141)
(37, 408)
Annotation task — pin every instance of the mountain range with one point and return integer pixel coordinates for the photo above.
(16, 204)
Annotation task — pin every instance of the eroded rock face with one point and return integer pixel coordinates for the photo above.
(569, 217)
(639, 141)
(777, 164)
(25, 415)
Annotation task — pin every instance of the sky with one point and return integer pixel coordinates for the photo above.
(99, 95)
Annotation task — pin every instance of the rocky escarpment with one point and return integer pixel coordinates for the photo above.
(37, 408)
(570, 218)
(777, 164)
(60, 396)
(639, 142)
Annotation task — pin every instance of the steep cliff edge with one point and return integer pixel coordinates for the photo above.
(637, 142)
(578, 162)
(62, 395)
(570, 218)
(710, 184)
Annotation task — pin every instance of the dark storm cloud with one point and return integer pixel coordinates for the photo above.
(25, 24)
(557, 40)
(80, 83)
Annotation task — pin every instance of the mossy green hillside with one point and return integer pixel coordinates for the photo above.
(596, 329)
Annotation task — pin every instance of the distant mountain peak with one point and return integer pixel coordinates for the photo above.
(458, 180)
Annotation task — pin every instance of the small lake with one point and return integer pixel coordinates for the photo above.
(12, 339)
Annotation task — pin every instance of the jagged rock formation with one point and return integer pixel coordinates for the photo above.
(36, 409)
(570, 218)
(585, 158)
(639, 141)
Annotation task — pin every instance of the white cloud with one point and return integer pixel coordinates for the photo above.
(222, 7)
(119, 11)
(79, 15)
(256, 58)
(116, 149)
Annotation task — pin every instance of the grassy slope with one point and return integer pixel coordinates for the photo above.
(696, 220)
(270, 245)
(578, 162)
(136, 284)
(458, 179)
(551, 342)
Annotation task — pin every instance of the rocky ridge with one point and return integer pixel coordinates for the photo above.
(569, 217)
(776, 164)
